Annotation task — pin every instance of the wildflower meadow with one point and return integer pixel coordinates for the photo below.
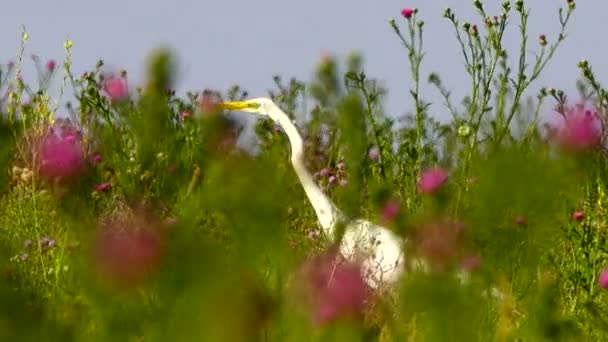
(132, 213)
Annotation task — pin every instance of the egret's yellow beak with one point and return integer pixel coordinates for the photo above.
(238, 105)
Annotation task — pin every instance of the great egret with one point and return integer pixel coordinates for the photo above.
(380, 249)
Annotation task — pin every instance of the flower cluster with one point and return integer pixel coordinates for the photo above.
(335, 176)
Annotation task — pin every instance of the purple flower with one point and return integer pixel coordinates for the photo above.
(332, 179)
(603, 279)
(324, 172)
(343, 182)
(520, 221)
(431, 180)
(341, 166)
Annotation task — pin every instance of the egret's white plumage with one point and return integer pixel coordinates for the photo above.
(379, 248)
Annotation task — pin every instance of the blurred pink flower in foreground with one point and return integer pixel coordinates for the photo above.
(471, 263)
(431, 180)
(334, 287)
(60, 154)
(128, 249)
(581, 129)
(603, 279)
(440, 241)
(390, 210)
(116, 88)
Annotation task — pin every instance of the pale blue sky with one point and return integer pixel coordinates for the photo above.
(220, 43)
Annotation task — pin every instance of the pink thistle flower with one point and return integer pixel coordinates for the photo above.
(408, 12)
(105, 186)
(60, 157)
(96, 159)
(184, 115)
(127, 250)
(520, 221)
(374, 153)
(116, 88)
(50, 65)
(335, 288)
(603, 279)
(578, 216)
(332, 179)
(471, 263)
(324, 172)
(581, 130)
(431, 180)
(390, 211)
(439, 241)
(341, 166)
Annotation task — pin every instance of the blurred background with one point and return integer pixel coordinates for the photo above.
(221, 43)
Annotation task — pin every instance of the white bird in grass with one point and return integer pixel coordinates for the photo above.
(380, 249)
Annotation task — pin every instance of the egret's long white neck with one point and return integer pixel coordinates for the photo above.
(325, 210)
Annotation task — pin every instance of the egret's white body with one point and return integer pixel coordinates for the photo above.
(380, 250)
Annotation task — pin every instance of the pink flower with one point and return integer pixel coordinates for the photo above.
(184, 115)
(335, 288)
(343, 182)
(390, 211)
(578, 216)
(408, 12)
(103, 187)
(374, 153)
(127, 250)
(471, 263)
(341, 166)
(332, 179)
(603, 279)
(520, 221)
(60, 157)
(116, 88)
(440, 241)
(431, 180)
(96, 159)
(324, 172)
(581, 130)
(50, 65)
